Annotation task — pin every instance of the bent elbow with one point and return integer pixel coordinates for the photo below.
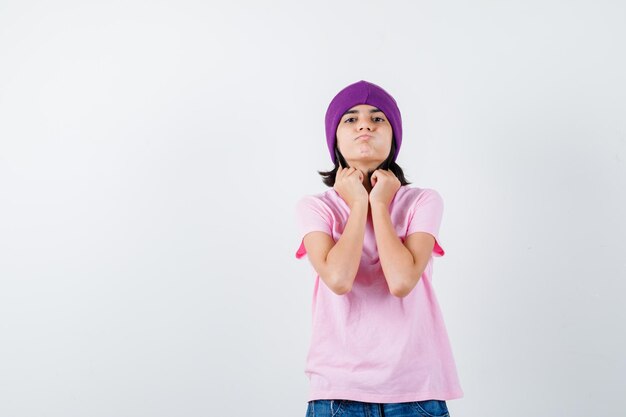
(341, 289)
(338, 286)
(401, 291)
(341, 285)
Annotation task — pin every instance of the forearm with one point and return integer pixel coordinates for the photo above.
(396, 260)
(345, 256)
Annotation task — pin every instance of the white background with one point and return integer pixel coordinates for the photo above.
(151, 154)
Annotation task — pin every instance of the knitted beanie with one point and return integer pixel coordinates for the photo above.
(362, 92)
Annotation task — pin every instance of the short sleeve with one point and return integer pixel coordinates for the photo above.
(311, 215)
(425, 216)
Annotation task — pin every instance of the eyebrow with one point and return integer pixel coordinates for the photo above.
(374, 110)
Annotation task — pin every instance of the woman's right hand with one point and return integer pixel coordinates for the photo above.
(349, 185)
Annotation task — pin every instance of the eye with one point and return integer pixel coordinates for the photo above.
(380, 118)
(348, 119)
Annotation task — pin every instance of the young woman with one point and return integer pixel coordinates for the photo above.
(379, 345)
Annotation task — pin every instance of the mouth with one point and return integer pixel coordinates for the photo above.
(364, 137)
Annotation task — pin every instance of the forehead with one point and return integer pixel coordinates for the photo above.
(364, 108)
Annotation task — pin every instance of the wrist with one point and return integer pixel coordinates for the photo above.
(359, 205)
(379, 205)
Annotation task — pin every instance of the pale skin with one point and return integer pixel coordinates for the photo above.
(337, 262)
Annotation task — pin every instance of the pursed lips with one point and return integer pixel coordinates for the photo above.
(364, 137)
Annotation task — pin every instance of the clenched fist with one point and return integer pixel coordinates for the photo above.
(385, 184)
(349, 185)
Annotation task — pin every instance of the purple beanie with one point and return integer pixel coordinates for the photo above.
(362, 92)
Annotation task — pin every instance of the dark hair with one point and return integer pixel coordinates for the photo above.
(328, 177)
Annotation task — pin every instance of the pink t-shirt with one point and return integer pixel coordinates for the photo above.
(369, 345)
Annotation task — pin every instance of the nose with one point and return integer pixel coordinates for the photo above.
(365, 122)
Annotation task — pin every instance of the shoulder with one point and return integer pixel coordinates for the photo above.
(412, 196)
(324, 201)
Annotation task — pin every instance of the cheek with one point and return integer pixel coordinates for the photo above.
(342, 130)
(389, 136)
(342, 136)
(341, 143)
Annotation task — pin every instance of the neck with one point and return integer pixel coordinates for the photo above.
(367, 185)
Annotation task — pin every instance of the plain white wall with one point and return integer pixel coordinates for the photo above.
(151, 154)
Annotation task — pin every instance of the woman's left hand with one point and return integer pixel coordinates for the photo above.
(385, 184)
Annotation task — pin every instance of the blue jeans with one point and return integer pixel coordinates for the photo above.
(349, 408)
